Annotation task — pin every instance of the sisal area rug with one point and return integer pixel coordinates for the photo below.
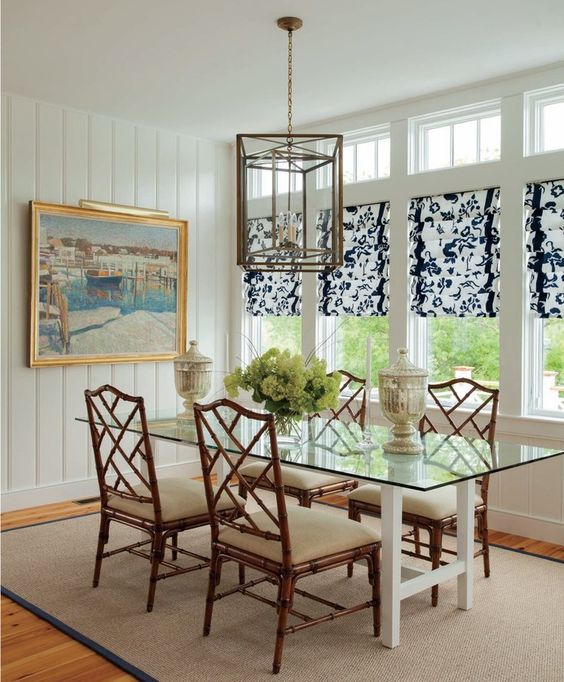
(514, 632)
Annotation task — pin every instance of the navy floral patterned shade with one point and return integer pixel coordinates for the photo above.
(544, 203)
(454, 254)
(360, 286)
(270, 293)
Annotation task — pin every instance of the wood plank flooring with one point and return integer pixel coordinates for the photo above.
(34, 650)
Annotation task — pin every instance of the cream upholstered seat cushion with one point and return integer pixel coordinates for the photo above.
(433, 504)
(313, 534)
(293, 477)
(181, 498)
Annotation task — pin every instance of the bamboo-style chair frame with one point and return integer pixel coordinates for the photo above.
(110, 413)
(436, 527)
(348, 410)
(286, 573)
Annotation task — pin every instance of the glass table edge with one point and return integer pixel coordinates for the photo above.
(343, 474)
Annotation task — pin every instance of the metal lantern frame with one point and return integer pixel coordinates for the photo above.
(292, 246)
(278, 156)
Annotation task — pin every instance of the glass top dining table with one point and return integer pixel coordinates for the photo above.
(336, 447)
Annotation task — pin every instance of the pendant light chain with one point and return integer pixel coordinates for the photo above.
(290, 69)
(296, 240)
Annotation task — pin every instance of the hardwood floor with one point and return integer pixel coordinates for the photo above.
(34, 650)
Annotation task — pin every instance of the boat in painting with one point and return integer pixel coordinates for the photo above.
(99, 277)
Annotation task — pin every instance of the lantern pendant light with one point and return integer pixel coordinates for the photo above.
(289, 195)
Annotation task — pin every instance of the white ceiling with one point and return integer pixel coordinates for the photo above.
(212, 68)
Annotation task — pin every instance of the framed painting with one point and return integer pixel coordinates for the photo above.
(106, 287)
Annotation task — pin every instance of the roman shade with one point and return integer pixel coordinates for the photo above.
(544, 225)
(454, 254)
(360, 286)
(270, 293)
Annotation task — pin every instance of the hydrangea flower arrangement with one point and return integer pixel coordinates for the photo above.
(288, 386)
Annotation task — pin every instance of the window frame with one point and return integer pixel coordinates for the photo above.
(353, 139)
(535, 370)
(419, 127)
(534, 103)
(418, 335)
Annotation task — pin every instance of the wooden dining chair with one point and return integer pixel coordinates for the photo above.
(309, 485)
(435, 510)
(283, 544)
(130, 493)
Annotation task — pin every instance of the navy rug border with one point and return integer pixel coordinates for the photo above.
(78, 636)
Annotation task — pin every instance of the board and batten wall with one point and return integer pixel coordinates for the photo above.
(59, 155)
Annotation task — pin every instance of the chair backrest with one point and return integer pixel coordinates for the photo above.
(449, 397)
(349, 408)
(120, 463)
(227, 434)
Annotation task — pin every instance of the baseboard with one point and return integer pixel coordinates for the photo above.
(73, 490)
(528, 526)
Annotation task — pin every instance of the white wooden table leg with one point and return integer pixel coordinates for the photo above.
(391, 499)
(465, 541)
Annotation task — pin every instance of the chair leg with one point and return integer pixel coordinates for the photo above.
(436, 543)
(156, 557)
(218, 571)
(242, 491)
(417, 539)
(353, 516)
(174, 540)
(212, 582)
(286, 600)
(103, 537)
(305, 499)
(374, 578)
(242, 574)
(485, 542)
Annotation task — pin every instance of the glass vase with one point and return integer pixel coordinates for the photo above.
(288, 430)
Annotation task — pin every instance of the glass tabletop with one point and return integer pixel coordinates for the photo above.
(333, 447)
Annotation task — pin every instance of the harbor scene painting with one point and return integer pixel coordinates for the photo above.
(106, 287)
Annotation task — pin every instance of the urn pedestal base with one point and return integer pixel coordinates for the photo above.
(187, 415)
(406, 440)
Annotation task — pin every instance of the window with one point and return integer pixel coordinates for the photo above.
(463, 347)
(260, 183)
(366, 155)
(544, 226)
(456, 137)
(547, 390)
(350, 345)
(544, 120)
(354, 301)
(284, 333)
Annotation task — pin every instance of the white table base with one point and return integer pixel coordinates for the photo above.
(393, 589)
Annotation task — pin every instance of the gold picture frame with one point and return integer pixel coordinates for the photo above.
(106, 287)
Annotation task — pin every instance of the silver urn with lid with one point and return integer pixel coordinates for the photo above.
(192, 377)
(403, 391)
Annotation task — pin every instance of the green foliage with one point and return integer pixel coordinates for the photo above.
(285, 384)
(284, 333)
(351, 344)
(467, 341)
(452, 341)
(554, 348)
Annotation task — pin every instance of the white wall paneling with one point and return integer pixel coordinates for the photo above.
(61, 156)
